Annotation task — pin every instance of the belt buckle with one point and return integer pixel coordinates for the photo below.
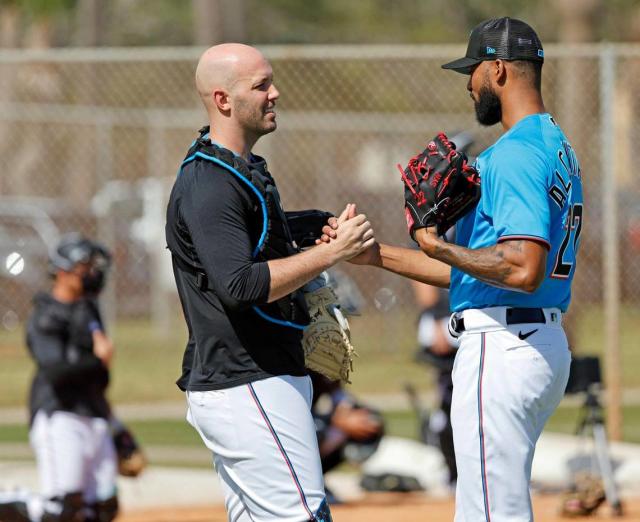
(454, 323)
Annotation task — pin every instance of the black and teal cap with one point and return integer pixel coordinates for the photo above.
(501, 38)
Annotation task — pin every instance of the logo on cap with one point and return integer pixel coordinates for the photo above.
(506, 38)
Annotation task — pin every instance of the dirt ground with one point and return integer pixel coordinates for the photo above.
(383, 507)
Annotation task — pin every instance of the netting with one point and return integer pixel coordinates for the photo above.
(91, 141)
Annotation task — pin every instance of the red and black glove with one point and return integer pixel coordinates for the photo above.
(439, 186)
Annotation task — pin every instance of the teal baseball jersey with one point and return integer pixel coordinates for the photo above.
(531, 189)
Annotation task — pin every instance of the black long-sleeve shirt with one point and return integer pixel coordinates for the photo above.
(69, 376)
(213, 225)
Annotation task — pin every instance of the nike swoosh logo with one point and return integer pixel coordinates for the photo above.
(524, 336)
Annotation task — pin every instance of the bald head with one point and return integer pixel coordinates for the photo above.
(222, 65)
(235, 83)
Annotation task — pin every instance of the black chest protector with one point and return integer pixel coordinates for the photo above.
(275, 239)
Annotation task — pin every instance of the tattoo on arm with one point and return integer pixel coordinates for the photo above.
(487, 264)
(515, 245)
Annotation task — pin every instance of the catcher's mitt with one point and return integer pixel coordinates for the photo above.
(439, 186)
(131, 460)
(585, 496)
(326, 341)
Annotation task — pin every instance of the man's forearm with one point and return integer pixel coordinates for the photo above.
(290, 273)
(414, 264)
(494, 265)
(487, 264)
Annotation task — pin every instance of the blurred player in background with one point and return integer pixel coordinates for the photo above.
(437, 347)
(239, 271)
(70, 431)
(347, 430)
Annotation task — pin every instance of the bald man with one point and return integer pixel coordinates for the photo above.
(239, 271)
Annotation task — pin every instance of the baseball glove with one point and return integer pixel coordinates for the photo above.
(439, 186)
(585, 496)
(131, 460)
(326, 341)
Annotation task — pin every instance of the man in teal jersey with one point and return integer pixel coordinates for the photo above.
(509, 273)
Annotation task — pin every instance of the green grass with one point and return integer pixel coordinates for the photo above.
(564, 420)
(162, 432)
(14, 433)
(590, 338)
(148, 362)
(176, 436)
(398, 423)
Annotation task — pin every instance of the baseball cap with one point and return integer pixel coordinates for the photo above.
(505, 38)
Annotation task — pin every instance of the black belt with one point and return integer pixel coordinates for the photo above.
(514, 316)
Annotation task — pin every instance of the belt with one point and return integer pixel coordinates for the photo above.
(513, 316)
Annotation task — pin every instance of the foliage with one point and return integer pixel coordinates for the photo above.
(149, 22)
(38, 9)
(170, 22)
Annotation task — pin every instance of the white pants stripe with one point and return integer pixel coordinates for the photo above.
(483, 459)
(265, 449)
(504, 390)
(282, 450)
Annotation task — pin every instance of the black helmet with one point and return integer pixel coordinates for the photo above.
(73, 248)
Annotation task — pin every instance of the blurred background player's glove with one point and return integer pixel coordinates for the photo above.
(131, 460)
(326, 341)
(439, 186)
(585, 496)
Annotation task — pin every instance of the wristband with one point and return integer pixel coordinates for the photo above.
(95, 326)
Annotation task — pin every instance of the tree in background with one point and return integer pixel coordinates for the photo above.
(203, 22)
(33, 23)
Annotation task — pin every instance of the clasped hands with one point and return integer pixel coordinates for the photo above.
(355, 235)
(427, 238)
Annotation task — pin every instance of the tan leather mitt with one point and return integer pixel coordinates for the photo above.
(327, 340)
(584, 498)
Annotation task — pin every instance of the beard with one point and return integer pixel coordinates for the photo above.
(254, 119)
(488, 107)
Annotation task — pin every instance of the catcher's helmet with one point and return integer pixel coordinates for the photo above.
(73, 248)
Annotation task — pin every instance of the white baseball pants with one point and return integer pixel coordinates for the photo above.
(504, 390)
(74, 453)
(264, 448)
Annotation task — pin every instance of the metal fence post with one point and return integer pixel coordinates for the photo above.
(160, 304)
(610, 250)
(104, 223)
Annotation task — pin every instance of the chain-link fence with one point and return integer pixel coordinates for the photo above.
(91, 140)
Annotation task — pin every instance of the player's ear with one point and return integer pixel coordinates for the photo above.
(498, 71)
(221, 100)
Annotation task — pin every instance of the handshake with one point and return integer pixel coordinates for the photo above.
(348, 236)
